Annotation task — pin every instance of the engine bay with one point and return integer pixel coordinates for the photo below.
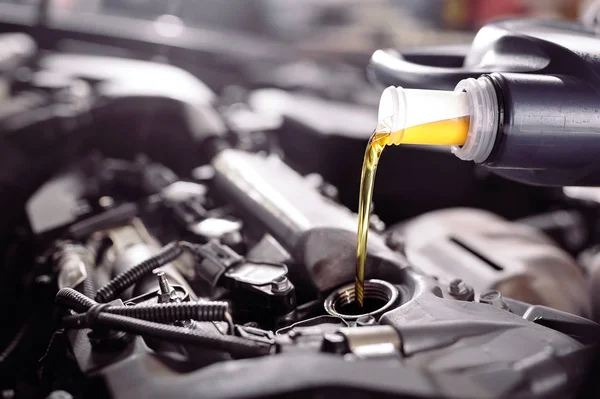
(165, 241)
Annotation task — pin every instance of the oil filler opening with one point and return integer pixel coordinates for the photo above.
(380, 296)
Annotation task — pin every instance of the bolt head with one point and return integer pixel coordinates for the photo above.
(494, 298)
(460, 290)
(280, 284)
(457, 287)
(490, 296)
(366, 320)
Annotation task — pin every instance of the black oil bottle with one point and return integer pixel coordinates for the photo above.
(534, 95)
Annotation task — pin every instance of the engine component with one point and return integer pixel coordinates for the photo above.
(263, 247)
(270, 304)
(380, 296)
(372, 342)
(166, 292)
(128, 244)
(73, 261)
(429, 329)
(461, 291)
(328, 324)
(105, 220)
(487, 252)
(160, 312)
(219, 229)
(261, 291)
(131, 276)
(66, 200)
(315, 238)
(319, 234)
(299, 243)
(216, 260)
(493, 298)
(236, 346)
(127, 319)
(177, 293)
(57, 203)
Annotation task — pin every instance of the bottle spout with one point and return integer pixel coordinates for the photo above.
(431, 117)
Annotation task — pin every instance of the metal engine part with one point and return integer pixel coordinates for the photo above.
(380, 296)
(419, 332)
(318, 233)
(488, 252)
(130, 245)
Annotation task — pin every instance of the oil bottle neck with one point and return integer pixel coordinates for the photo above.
(484, 110)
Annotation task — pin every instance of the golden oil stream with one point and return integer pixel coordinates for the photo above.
(445, 132)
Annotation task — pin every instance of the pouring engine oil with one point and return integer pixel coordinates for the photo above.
(441, 132)
(378, 141)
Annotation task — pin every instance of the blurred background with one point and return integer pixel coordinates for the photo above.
(264, 42)
(348, 25)
(348, 30)
(298, 68)
(345, 26)
(302, 62)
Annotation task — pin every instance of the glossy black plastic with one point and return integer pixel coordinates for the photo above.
(547, 76)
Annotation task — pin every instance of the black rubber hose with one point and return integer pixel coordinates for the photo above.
(14, 343)
(88, 287)
(75, 300)
(172, 312)
(236, 346)
(159, 312)
(129, 277)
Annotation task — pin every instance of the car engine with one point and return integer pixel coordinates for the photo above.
(162, 240)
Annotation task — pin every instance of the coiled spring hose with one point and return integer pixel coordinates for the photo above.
(129, 277)
(125, 318)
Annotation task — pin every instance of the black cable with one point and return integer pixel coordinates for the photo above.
(159, 312)
(238, 347)
(101, 314)
(126, 279)
(172, 312)
(88, 287)
(71, 299)
(12, 345)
